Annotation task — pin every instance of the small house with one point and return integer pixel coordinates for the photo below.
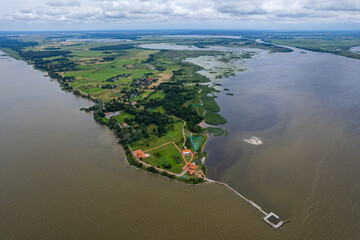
(186, 152)
(140, 154)
(190, 167)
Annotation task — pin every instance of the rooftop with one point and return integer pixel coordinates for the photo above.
(140, 154)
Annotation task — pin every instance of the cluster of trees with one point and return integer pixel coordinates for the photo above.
(173, 105)
(114, 106)
(152, 103)
(146, 118)
(178, 72)
(109, 59)
(166, 166)
(113, 47)
(152, 59)
(108, 86)
(30, 55)
(129, 134)
(52, 48)
(60, 65)
(15, 44)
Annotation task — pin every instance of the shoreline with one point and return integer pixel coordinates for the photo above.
(95, 100)
(176, 177)
(203, 160)
(57, 77)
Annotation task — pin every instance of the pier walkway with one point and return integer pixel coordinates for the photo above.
(270, 218)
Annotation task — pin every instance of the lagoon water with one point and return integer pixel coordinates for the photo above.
(305, 107)
(355, 49)
(63, 176)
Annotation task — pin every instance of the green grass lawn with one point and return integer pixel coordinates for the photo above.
(158, 95)
(102, 72)
(174, 135)
(121, 118)
(146, 93)
(166, 155)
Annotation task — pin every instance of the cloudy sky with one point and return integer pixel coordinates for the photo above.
(179, 14)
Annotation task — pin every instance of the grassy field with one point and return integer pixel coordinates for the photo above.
(158, 94)
(121, 118)
(153, 141)
(166, 156)
(91, 71)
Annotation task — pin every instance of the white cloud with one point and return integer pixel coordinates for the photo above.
(63, 3)
(182, 11)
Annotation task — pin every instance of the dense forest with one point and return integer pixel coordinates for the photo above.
(41, 54)
(14, 44)
(113, 47)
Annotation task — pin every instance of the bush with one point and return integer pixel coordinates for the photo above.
(167, 166)
(152, 169)
(177, 159)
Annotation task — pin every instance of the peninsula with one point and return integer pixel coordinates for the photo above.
(155, 101)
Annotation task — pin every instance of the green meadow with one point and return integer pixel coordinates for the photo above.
(173, 135)
(166, 157)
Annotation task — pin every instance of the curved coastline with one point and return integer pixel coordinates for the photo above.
(139, 164)
(130, 157)
(85, 187)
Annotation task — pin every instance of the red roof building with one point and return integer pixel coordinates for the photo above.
(186, 152)
(140, 154)
(190, 167)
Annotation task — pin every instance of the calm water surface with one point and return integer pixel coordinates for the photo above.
(62, 176)
(306, 109)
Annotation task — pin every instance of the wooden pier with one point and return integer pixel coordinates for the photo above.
(270, 218)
